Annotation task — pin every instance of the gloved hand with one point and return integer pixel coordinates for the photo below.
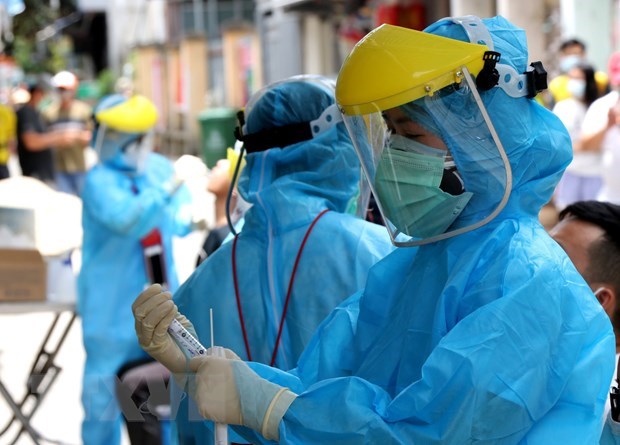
(228, 391)
(153, 311)
(199, 224)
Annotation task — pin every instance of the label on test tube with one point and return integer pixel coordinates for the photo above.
(186, 340)
(193, 348)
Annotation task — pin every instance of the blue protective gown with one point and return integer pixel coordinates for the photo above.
(288, 188)
(113, 272)
(490, 337)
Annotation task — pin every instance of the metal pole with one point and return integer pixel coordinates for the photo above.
(18, 413)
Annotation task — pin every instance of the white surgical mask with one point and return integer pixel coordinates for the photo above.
(577, 88)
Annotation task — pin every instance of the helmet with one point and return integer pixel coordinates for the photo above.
(65, 80)
(123, 136)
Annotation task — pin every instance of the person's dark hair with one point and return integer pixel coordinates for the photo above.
(34, 87)
(604, 254)
(572, 42)
(592, 92)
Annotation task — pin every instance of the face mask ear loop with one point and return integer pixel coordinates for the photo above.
(230, 191)
(597, 291)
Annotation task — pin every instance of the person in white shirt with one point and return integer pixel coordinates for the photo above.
(582, 179)
(601, 133)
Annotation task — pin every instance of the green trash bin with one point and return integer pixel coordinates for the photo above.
(217, 126)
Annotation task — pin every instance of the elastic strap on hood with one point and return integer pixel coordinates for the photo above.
(515, 84)
(286, 135)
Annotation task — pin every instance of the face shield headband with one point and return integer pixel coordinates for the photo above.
(278, 137)
(407, 156)
(286, 135)
(495, 73)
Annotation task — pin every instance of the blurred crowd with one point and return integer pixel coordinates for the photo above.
(50, 131)
(585, 98)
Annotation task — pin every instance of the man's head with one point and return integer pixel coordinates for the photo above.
(573, 47)
(66, 84)
(572, 52)
(37, 91)
(589, 232)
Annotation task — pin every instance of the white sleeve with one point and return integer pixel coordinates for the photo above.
(595, 119)
(571, 114)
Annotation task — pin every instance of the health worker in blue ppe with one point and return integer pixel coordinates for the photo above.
(303, 249)
(486, 334)
(132, 206)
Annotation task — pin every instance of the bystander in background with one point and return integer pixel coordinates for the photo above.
(35, 140)
(68, 114)
(601, 134)
(7, 137)
(582, 179)
(572, 53)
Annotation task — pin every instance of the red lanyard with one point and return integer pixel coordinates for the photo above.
(288, 293)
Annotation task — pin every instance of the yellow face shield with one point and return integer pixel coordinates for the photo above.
(411, 106)
(136, 115)
(393, 65)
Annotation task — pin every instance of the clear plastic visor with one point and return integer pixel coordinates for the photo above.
(131, 149)
(435, 165)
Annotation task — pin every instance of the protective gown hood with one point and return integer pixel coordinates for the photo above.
(324, 167)
(536, 143)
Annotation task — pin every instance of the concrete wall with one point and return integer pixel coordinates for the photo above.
(242, 69)
(594, 23)
(481, 8)
(529, 15)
